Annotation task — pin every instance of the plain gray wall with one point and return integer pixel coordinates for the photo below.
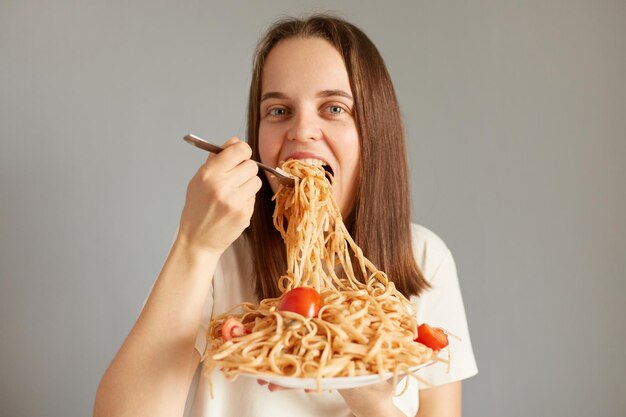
(516, 121)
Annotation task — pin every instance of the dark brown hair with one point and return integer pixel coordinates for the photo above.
(381, 221)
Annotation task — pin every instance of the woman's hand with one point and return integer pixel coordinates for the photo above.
(220, 199)
(371, 400)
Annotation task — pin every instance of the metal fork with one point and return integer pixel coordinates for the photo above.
(281, 175)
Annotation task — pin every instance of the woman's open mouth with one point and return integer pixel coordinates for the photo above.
(318, 162)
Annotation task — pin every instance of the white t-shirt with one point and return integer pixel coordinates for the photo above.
(440, 306)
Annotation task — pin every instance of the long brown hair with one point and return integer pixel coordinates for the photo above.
(381, 221)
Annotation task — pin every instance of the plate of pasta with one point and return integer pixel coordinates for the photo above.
(339, 321)
(330, 383)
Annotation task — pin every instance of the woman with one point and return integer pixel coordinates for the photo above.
(319, 91)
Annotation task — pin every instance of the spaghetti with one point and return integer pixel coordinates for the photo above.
(365, 326)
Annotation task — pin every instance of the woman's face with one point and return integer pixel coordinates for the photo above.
(307, 112)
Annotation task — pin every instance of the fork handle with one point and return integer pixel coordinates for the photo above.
(203, 144)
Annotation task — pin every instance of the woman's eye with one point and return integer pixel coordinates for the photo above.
(277, 111)
(336, 109)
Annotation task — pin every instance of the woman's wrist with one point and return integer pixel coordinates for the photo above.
(195, 252)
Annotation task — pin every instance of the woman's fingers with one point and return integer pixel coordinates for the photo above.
(232, 167)
(229, 142)
(273, 387)
(243, 172)
(250, 188)
(220, 198)
(234, 153)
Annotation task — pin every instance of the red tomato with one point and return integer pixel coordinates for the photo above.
(433, 337)
(302, 300)
(233, 328)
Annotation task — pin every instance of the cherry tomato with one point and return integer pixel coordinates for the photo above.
(233, 328)
(433, 337)
(302, 300)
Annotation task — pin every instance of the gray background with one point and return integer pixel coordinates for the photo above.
(516, 121)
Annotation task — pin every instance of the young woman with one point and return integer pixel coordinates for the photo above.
(320, 90)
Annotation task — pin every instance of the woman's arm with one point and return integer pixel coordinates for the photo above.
(442, 401)
(152, 372)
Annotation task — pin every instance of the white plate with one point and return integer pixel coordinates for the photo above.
(327, 383)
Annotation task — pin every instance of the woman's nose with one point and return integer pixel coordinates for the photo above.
(304, 127)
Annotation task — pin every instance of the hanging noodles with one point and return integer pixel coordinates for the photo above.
(363, 327)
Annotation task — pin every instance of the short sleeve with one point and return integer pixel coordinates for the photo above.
(442, 306)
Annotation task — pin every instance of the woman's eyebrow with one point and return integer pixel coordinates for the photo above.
(330, 93)
(323, 93)
(273, 94)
